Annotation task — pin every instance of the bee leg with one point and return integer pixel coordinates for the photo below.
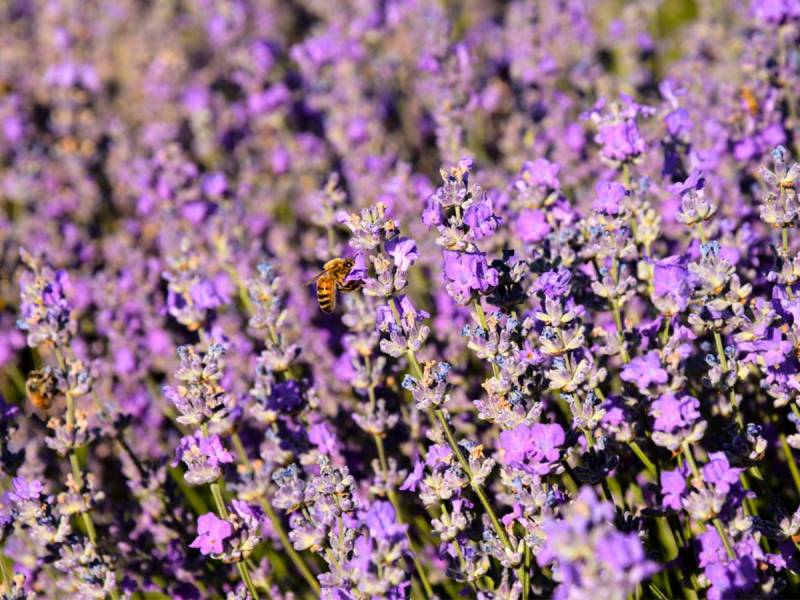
(351, 286)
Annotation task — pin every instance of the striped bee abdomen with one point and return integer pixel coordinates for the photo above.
(326, 293)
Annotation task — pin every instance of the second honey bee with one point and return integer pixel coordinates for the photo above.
(41, 389)
(332, 280)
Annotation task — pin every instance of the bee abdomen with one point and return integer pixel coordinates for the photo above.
(326, 296)
(326, 303)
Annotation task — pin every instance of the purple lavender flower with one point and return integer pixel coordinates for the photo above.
(620, 141)
(676, 421)
(553, 284)
(678, 122)
(531, 226)
(199, 397)
(532, 448)
(597, 276)
(409, 314)
(673, 488)
(542, 173)
(609, 195)
(644, 371)
(44, 308)
(618, 133)
(719, 473)
(204, 296)
(381, 522)
(590, 553)
(671, 285)
(775, 12)
(411, 482)
(403, 251)
(671, 412)
(480, 218)
(203, 457)
(729, 577)
(211, 533)
(467, 273)
(23, 489)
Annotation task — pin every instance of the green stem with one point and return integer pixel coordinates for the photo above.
(219, 501)
(17, 377)
(526, 579)
(476, 487)
(6, 578)
(398, 511)
(459, 552)
(485, 325)
(723, 361)
(787, 450)
(643, 457)
(626, 175)
(222, 511)
(331, 241)
(749, 505)
(85, 516)
(241, 288)
(77, 475)
(724, 537)
(381, 456)
(296, 559)
(438, 414)
(370, 387)
(702, 232)
(390, 491)
(75, 466)
(665, 332)
(244, 573)
(523, 571)
(277, 525)
(785, 240)
(620, 330)
(657, 592)
(687, 452)
(616, 309)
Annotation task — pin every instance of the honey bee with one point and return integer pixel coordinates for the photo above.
(41, 388)
(332, 280)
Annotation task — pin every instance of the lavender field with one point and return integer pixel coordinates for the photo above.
(430, 299)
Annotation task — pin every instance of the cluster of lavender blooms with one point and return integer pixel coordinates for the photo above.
(570, 366)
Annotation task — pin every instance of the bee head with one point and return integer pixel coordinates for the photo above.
(349, 262)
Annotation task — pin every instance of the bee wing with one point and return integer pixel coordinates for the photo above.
(315, 277)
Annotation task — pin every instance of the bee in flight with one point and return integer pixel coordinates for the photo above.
(332, 280)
